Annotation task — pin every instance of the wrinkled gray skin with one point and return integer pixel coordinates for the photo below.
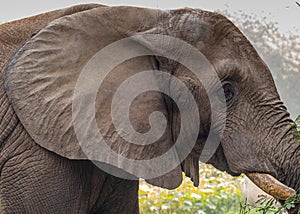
(42, 167)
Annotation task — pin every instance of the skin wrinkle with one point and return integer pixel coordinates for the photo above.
(188, 24)
(258, 149)
(292, 173)
(271, 128)
(7, 123)
(95, 199)
(2, 98)
(266, 104)
(21, 151)
(7, 132)
(7, 154)
(179, 23)
(282, 150)
(281, 119)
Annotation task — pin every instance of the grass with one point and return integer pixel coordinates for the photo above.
(218, 192)
(265, 205)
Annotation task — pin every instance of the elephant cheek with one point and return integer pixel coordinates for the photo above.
(242, 156)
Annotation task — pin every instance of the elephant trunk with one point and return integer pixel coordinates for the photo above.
(291, 163)
(288, 167)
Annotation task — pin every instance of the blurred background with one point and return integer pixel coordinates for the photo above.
(273, 28)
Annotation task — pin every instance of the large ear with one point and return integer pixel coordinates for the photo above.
(186, 25)
(41, 82)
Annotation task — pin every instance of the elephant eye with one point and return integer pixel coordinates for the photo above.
(228, 91)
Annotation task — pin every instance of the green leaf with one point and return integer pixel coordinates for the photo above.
(296, 133)
(289, 206)
(298, 4)
(297, 121)
(294, 126)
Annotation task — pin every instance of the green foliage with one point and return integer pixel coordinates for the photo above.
(296, 127)
(218, 192)
(297, 122)
(265, 205)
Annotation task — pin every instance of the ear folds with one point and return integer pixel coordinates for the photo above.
(42, 76)
(195, 31)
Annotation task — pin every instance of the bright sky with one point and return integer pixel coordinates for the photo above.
(285, 12)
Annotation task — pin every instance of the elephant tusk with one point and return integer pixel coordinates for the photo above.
(271, 185)
(190, 167)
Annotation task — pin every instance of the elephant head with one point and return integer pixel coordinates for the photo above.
(254, 129)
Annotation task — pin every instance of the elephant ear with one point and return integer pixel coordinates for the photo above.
(42, 79)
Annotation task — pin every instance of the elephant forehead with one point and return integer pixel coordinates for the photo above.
(189, 25)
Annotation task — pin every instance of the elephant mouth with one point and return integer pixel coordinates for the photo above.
(265, 181)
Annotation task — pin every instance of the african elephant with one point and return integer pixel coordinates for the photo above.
(44, 168)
